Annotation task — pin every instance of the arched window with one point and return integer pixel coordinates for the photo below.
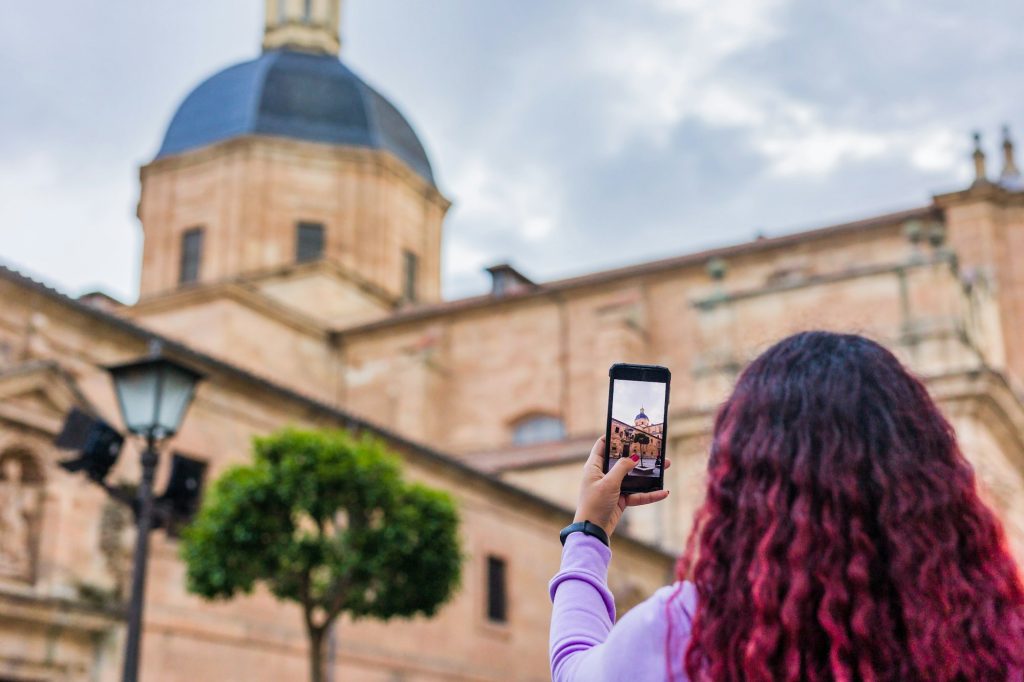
(539, 428)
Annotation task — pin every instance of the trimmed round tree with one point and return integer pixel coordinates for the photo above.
(325, 520)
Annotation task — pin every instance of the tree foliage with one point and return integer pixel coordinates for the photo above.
(325, 519)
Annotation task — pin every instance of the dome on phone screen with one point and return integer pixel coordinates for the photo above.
(642, 415)
(298, 95)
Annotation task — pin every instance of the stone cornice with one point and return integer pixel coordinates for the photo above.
(231, 290)
(376, 159)
(667, 266)
(988, 192)
(940, 257)
(49, 379)
(323, 266)
(31, 608)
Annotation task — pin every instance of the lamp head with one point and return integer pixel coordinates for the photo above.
(154, 393)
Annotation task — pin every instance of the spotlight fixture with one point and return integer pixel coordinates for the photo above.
(97, 443)
(180, 500)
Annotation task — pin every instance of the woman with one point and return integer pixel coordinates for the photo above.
(841, 538)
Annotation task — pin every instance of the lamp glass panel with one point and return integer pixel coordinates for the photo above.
(136, 390)
(178, 387)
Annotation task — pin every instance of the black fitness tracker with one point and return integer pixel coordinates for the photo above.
(587, 528)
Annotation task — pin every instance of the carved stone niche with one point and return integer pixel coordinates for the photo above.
(115, 546)
(21, 506)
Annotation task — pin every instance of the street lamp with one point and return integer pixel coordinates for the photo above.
(154, 394)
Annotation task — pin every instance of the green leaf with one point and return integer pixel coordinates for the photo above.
(325, 519)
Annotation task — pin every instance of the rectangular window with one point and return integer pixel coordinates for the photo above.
(497, 597)
(309, 242)
(191, 255)
(307, 11)
(411, 265)
(183, 492)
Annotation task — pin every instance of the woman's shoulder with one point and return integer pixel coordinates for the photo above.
(679, 598)
(670, 608)
(682, 594)
(657, 630)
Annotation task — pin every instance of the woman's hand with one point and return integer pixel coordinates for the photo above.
(601, 500)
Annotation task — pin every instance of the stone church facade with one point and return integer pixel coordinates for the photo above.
(641, 438)
(292, 253)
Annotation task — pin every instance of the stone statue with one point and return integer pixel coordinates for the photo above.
(18, 503)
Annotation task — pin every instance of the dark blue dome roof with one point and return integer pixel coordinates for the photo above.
(641, 415)
(297, 95)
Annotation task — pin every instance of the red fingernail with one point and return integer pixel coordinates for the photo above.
(635, 458)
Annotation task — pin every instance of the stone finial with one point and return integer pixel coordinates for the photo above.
(717, 269)
(303, 25)
(1010, 176)
(980, 175)
(913, 230)
(936, 233)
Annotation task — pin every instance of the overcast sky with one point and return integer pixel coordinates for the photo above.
(572, 135)
(630, 396)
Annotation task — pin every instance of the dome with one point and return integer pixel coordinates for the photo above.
(641, 416)
(297, 95)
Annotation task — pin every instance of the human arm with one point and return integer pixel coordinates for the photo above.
(583, 612)
(587, 645)
(583, 608)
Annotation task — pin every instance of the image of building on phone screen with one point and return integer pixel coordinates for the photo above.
(638, 424)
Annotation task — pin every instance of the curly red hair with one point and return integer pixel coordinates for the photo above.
(842, 536)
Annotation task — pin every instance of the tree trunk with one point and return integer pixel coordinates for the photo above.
(332, 650)
(317, 665)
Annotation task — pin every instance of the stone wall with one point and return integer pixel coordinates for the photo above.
(248, 194)
(83, 560)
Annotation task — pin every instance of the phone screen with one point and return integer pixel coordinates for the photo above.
(637, 406)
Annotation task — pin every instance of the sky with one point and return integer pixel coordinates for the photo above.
(629, 396)
(572, 135)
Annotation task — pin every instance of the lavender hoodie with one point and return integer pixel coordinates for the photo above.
(586, 643)
(588, 646)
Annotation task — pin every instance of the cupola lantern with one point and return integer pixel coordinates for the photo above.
(303, 25)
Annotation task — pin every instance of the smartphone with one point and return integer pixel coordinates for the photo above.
(637, 406)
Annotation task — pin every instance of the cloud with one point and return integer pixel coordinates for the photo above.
(670, 61)
(571, 135)
(700, 122)
(464, 259)
(632, 396)
(679, 69)
(66, 227)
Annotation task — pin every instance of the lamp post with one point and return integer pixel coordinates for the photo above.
(154, 394)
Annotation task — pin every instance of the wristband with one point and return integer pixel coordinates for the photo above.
(587, 528)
